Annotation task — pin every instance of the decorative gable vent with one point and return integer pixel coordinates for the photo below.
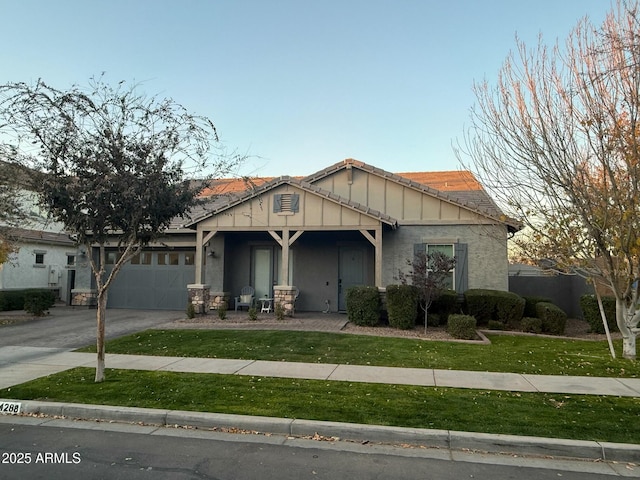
(287, 203)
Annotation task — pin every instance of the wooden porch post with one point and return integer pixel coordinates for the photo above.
(199, 257)
(376, 241)
(285, 242)
(285, 257)
(201, 241)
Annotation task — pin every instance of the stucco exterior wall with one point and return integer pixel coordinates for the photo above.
(487, 251)
(21, 271)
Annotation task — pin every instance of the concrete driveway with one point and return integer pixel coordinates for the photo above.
(69, 327)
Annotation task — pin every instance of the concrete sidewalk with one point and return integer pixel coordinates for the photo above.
(21, 364)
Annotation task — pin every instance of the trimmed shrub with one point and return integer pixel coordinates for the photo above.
(253, 314)
(509, 307)
(402, 306)
(480, 304)
(554, 320)
(591, 313)
(531, 325)
(446, 304)
(191, 310)
(12, 300)
(496, 325)
(363, 305)
(37, 302)
(530, 305)
(485, 305)
(462, 326)
(433, 319)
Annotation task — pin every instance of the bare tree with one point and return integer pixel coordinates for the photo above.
(557, 142)
(12, 205)
(110, 163)
(429, 274)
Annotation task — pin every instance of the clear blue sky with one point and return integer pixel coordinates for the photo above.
(296, 84)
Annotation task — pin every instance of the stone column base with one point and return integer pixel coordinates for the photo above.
(285, 295)
(218, 299)
(84, 297)
(199, 297)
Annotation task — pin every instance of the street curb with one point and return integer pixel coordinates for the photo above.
(439, 439)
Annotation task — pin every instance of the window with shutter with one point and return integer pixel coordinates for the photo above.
(458, 276)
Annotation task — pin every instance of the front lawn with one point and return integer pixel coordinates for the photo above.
(546, 415)
(517, 354)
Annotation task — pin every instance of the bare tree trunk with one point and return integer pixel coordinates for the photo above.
(628, 336)
(101, 315)
(605, 323)
(426, 310)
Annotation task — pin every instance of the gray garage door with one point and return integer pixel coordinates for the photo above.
(153, 280)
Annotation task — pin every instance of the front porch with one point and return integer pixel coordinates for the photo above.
(321, 265)
(288, 233)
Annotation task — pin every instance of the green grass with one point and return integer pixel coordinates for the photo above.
(517, 354)
(547, 415)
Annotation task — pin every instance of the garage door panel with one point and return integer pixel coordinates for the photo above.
(153, 286)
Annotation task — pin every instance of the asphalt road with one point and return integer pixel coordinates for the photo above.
(68, 327)
(86, 450)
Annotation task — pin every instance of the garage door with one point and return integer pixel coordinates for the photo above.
(153, 280)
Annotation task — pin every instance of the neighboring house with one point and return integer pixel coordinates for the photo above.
(348, 224)
(43, 260)
(44, 255)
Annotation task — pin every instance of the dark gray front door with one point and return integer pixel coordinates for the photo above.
(350, 272)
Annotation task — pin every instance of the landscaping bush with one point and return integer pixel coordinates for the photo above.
(191, 310)
(434, 319)
(480, 304)
(554, 320)
(530, 305)
(509, 307)
(496, 325)
(591, 313)
(462, 326)
(37, 302)
(363, 305)
(446, 304)
(402, 306)
(485, 305)
(12, 300)
(222, 311)
(531, 325)
(278, 310)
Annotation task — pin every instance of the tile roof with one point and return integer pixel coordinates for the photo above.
(41, 236)
(446, 181)
(457, 186)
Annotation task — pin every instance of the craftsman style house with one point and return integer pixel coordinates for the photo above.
(348, 224)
